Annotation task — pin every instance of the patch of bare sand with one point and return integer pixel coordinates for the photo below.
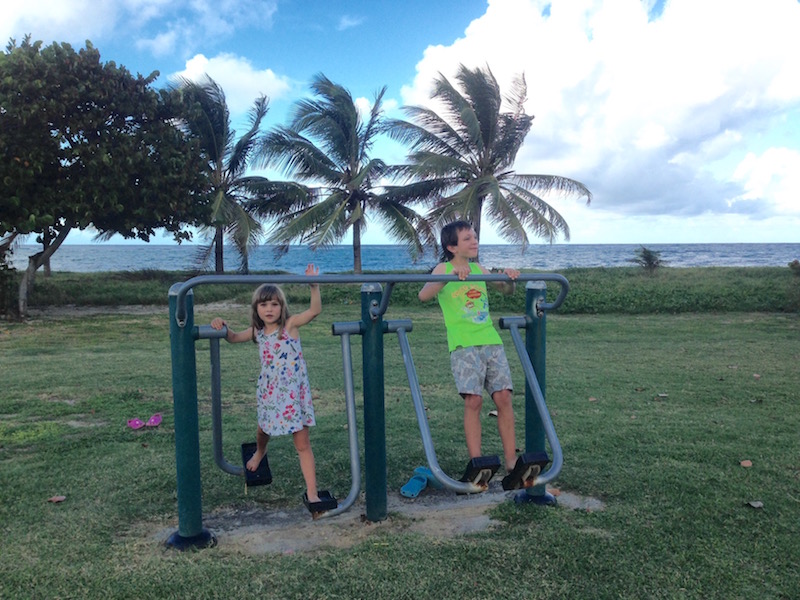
(435, 513)
(73, 310)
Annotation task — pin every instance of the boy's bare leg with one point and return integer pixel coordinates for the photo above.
(302, 444)
(505, 426)
(472, 423)
(261, 449)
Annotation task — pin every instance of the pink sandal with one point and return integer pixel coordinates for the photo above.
(154, 421)
(135, 423)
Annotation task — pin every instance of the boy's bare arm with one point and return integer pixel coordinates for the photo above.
(430, 289)
(507, 287)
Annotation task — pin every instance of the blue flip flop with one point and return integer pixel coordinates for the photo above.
(428, 474)
(415, 485)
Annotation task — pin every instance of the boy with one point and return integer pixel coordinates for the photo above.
(477, 357)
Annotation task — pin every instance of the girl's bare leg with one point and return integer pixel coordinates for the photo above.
(472, 423)
(302, 444)
(261, 449)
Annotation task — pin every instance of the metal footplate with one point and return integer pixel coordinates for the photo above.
(262, 475)
(523, 475)
(326, 502)
(480, 470)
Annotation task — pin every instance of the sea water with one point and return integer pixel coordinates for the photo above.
(378, 258)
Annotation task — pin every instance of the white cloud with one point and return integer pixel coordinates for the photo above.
(651, 113)
(773, 176)
(72, 21)
(160, 26)
(348, 22)
(182, 27)
(163, 44)
(240, 80)
(363, 105)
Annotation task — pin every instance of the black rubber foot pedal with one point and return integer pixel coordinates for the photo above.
(480, 470)
(326, 503)
(523, 475)
(262, 475)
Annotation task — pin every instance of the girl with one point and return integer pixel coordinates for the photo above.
(283, 394)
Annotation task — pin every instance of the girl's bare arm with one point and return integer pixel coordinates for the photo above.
(314, 308)
(233, 336)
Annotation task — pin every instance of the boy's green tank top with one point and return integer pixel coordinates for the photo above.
(465, 306)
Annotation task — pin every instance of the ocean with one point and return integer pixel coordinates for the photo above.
(377, 258)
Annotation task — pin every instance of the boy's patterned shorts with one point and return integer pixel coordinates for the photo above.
(479, 367)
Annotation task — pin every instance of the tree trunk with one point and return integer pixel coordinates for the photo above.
(47, 237)
(6, 243)
(476, 225)
(356, 248)
(34, 262)
(219, 265)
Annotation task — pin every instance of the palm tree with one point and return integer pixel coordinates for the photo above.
(461, 163)
(233, 191)
(327, 144)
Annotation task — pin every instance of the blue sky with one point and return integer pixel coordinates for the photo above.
(681, 116)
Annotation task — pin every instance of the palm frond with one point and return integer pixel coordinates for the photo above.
(371, 171)
(243, 231)
(298, 156)
(453, 101)
(518, 95)
(545, 184)
(208, 118)
(267, 198)
(428, 132)
(305, 225)
(536, 214)
(335, 225)
(511, 133)
(373, 126)
(204, 252)
(425, 190)
(240, 156)
(407, 226)
(505, 215)
(483, 94)
(332, 119)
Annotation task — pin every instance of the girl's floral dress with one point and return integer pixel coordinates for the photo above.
(284, 393)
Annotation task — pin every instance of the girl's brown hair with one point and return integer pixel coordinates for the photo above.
(265, 293)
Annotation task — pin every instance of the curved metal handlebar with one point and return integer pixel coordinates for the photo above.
(389, 279)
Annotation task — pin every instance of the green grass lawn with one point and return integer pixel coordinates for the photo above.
(655, 413)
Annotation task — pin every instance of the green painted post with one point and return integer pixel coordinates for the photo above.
(374, 410)
(191, 533)
(536, 345)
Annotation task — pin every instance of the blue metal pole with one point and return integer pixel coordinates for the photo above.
(190, 533)
(374, 410)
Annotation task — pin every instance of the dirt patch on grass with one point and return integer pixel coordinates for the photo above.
(435, 513)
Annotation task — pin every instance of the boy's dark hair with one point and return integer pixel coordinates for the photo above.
(449, 237)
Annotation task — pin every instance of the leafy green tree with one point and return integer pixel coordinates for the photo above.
(461, 161)
(85, 144)
(327, 145)
(234, 193)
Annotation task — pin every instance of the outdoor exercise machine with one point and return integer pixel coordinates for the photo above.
(374, 303)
